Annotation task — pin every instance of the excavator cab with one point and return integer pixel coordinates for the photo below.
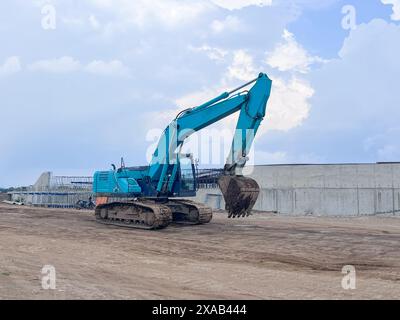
(187, 177)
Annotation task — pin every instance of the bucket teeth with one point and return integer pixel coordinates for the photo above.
(240, 195)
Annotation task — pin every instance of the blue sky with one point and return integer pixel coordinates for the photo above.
(77, 97)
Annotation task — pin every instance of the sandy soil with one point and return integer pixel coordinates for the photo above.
(262, 257)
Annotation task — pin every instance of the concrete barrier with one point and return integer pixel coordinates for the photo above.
(328, 190)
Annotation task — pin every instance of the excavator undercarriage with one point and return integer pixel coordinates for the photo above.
(151, 214)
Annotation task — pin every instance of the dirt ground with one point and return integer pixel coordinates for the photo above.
(262, 257)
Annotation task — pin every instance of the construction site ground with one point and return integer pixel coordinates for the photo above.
(265, 256)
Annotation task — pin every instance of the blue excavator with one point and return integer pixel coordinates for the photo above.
(153, 196)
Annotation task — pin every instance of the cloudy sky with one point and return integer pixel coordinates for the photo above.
(85, 82)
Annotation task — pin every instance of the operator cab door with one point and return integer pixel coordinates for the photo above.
(187, 176)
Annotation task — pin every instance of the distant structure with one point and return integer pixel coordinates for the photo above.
(208, 178)
(55, 191)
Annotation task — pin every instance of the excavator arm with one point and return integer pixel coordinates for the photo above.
(240, 193)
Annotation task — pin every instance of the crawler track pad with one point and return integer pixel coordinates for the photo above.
(240, 194)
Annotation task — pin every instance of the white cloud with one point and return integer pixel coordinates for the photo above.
(212, 53)
(288, 108)
(357, 95)
(64, 64)
(11, 65)
(291, 56)
(396, 8)
(94, 23)
(203, 95)
(230, 24)
(73, 22)
(289, 104)
(242, 67)
(197, 98)
(384, 145)
(41, 3)
(68, 65)
(112, 68)
(143, 13)
(380, 36)
(170, 13)
(240, 4)
(82, 22)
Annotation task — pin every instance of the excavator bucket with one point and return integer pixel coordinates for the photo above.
(240, 194)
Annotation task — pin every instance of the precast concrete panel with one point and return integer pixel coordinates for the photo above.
(349, 203)
(348, 176)
(284, 200)
(307, 201)
(282, 177)
(308, 177)
(264, 176)
(366, 201)
(366, 176)
(397, 201)
(384, 201)
(396, 175)
(332, 176)
(384, 176)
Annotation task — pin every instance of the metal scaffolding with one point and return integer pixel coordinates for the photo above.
(56, 191)
(71, 183)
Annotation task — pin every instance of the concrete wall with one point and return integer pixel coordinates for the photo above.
(4, 196)
(332, 190)
(50, 199)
